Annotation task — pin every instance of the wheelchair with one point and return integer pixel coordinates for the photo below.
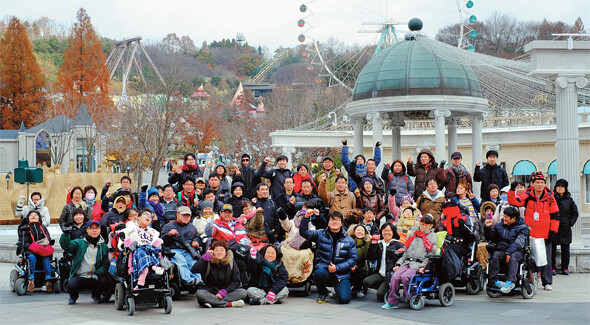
(472, 275)
(526, 277)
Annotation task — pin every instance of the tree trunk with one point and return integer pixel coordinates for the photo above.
(155, 175)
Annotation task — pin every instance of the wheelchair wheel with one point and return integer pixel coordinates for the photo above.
(57, 286)
(174, 291)
(493, 294)
(119, 296)
(446, 294)
(130, 306)
(20, 286)
(307, 289)
(13, 277)
(528, 289)
(64, 284)
(167, 305)
(417, 302)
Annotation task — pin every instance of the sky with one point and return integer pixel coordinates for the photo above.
(273, 23)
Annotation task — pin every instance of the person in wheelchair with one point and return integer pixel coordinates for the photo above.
(419, 244)
(459, 227)
(35, 243)
(509, 238)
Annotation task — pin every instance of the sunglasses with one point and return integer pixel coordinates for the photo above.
(245, 159)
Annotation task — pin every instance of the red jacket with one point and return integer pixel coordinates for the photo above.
(546, 206)
(297, 179)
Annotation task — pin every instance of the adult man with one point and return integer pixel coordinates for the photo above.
(200, 186)
(190, 168)
(90, 262)
(248, 176)
(340, 199)
(286, 201)
(125, 186)
(219, 192)
(453, 175)
(335, 256)
(541, 215)
(491, 173)
(358, 162)
(276, 176)
(431, 200)
(208, 195)
(510, 237)
(271, 222)
(179, 235)
(227, 228)
(330, 172)
(36, 202)
(168, 199)
(188, 195)
(377, 181)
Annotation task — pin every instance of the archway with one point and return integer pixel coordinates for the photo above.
(43, 148)
(522, 171)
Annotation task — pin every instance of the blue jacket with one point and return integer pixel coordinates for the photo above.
(510, 238)
(344, 256)
(360, 168)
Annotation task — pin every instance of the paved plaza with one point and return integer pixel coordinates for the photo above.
(568, 303)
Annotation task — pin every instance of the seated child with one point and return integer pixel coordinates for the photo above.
(39, 234)
(421, 243)
(408, 219)
(253, 220)
(487, 213)
(201, 219)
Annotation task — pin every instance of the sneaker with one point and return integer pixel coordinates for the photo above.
(254, 301)
(195, 282)
(553, 272)
(48, 286)
(359, 294)
(547, 287)
(507, 287)
(207, 305)
(565, 272)
(321, 299)
(31, 287)
(96, 300)
(539, 275)
(71, 301)
(237, 303)
(331, 294)
(498, 284)
(389, 306)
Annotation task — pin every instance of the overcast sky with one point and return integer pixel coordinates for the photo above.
(273, 23)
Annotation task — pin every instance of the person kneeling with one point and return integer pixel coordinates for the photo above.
(221, 277)
(269, 276)
(90, 265)
(509, 237)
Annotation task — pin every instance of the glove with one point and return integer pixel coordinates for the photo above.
(207, 256)
(95, 277)
(270, 296)
(144, 188)
(222, 293)
(377, 144)
(344, 142)
(67, 227)
(513, 186)
(393, 191)
(253, 252)
(442, 164)
(282, 214)
(551, 236)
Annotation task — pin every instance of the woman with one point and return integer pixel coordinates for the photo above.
(367, 197)
(36, 233)
(296, 250)
(236, 198)
(268, 281)
(465, 199)
(77, 202)
(397, 181)
(384, 249)
(568, 215)
(362, 240)
(414, 260)
(79, 225)
(221, 277)
(302, 174)
(424, 168)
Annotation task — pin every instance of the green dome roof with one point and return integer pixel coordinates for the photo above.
(407, 68)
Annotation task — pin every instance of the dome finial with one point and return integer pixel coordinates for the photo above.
(415, 24)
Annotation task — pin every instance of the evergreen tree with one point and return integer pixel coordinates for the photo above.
(21, 80)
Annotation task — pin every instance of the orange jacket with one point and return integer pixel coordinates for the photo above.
(545, 206)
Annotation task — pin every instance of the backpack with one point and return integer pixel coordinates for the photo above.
(406, 178)
(451, 264)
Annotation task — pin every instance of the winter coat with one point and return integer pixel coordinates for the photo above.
(512, 238)
(280, 274)
(490, 175)
(359, 178)
(297, 179)
(344, 256)
(37, 231)
(405, 224)
(78, 247)
(382, 251)
(422, 173)
(23, 211)
(425, 204)
(568, 215)
(449, 179)
(277, 177)
(174, 178)
(415, 255)
(67, 213)
(186, 234)
(330, 179)
(250, 178)
(97, 211)
(225, 181)
(283, 202)
(221, 230)
(341, 202)
(218, 274)
(372, 200)
(234, 201)
(401, 182)
(111, 218)
(360, 168)
(271, 221)
(362, 248)
(547, 209)
(134, 233)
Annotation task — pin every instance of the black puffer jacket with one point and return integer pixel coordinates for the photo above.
(490, 175)
(218, 274)
(376, 254)
(249, 177)
(280, 274)
(568, 215)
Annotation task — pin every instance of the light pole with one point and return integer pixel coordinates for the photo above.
(8, 179)
(128, 168)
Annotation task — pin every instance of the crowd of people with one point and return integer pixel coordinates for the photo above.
(247, 233)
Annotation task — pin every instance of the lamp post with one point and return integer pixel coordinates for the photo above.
(128, 168)
(8, 179)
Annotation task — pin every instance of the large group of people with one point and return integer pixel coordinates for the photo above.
(247, 233)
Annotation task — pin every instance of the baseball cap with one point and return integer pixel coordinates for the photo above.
(184, 210)
(227, 207)
(92, 222)
(456, 154)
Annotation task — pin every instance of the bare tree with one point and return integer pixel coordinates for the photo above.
(59, 126)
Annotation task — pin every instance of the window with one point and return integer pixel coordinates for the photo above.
(552, 173)
(522, 171)
(3, 161)
(587, 181)
(43, 148)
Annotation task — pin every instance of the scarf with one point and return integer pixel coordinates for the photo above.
(82, 205)
(266, 278)
(427, 243)
(452, 216)
(90, 203)
(36, 231)
(93, 241)
(189, 168)
(158, 209)
(466, 202)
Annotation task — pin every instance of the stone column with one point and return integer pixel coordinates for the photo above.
(476, 143)
(377, 119)
(289, 151)
(452, 135)
(568, 141)
(359, 124)
(439, 133)
(397, 122)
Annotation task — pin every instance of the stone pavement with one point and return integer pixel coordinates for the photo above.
(568, 303)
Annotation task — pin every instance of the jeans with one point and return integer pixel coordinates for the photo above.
(323, 279)
(500, 257)
(184, 261)
(77, 283)
(403, 275)
(565, 256)
(33, 263)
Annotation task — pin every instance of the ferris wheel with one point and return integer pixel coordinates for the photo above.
(340, 66)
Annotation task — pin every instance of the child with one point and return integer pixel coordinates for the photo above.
(200, 221)
(494, 191)
(154, 205)
(487, 212)
(148, 242)
(422, 242)
(499, 213)
(37, 233)
(408, 219)
(358, 272)
(369, 221)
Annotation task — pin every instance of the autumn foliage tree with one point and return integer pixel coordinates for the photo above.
(21, 80)
(84, 76)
